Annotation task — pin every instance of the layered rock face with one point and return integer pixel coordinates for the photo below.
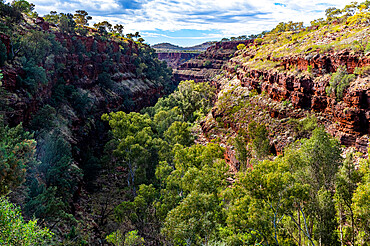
(209, 63)
(83, 62)
(347, 119)
(175, 59)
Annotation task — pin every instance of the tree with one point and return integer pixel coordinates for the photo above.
(66, 23)
(179, 133)
(332, 13)
(136, 145)
(81, 17)
(118, 28)
(259, 139)
(23, 6)
(14, 231)
(17, 149)
(52, 17)
(129, 35)
(10, 16)
(345, 186)
(318, 161)
(193, 99)
(361, 204)
(339, 81)
(190, 198)
(103, 27)
(243, 154)
(137, 35)
(140, 40)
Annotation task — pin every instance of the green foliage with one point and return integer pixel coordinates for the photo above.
(133, 239)
(36, 45)
(17, 149)
(23, 6)
(65, 22)
(103, 27)
(345, 185)
(179, 133)
(207, 63)
(15, 231)
(309, 68)
(49, 197)
(44, 119)
(339, 81)
(303, 127)
(361, 204)
(288, 194)
(193, 221)
(81, 17)
(190, 100)
(10, 16)
(289, 26)
(243, 154)
(258, 41)
(116, 238)
(259, 139)
(3, 54)
(332, 13)
(318, 22)
(190, 201)
(136, 146)
(240, 46)
(35, 75)
(118, 29)
(367, 49)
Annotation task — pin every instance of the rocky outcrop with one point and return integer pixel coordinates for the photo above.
(347, 119)
(175, 59)
(209, 63)
(325, 63)
(84, 60)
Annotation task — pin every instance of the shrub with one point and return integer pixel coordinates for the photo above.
(339, 82)
(258, 41)
(361, 71)
(240, 46)
(367, 49)
(207, 63)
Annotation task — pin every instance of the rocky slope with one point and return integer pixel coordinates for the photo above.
(175, 59)
(170, 48)
(287, 91)
(58, 85)
(85, 58)
(209, 63)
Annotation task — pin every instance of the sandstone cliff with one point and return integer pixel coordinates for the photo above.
(176, 59)
(208, 64)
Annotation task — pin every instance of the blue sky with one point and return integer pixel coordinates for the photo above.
(191, 22)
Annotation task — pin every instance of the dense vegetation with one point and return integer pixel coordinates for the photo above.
(310, 195)
(152, 180)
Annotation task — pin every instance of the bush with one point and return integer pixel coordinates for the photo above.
(240, 46)
(362, 71)
(339, 82)
(258, 41)
(14, 231)
(17, 149)
(367, 49)
(207, 63)
(309, 68)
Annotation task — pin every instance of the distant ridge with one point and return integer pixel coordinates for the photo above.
(167, 47)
